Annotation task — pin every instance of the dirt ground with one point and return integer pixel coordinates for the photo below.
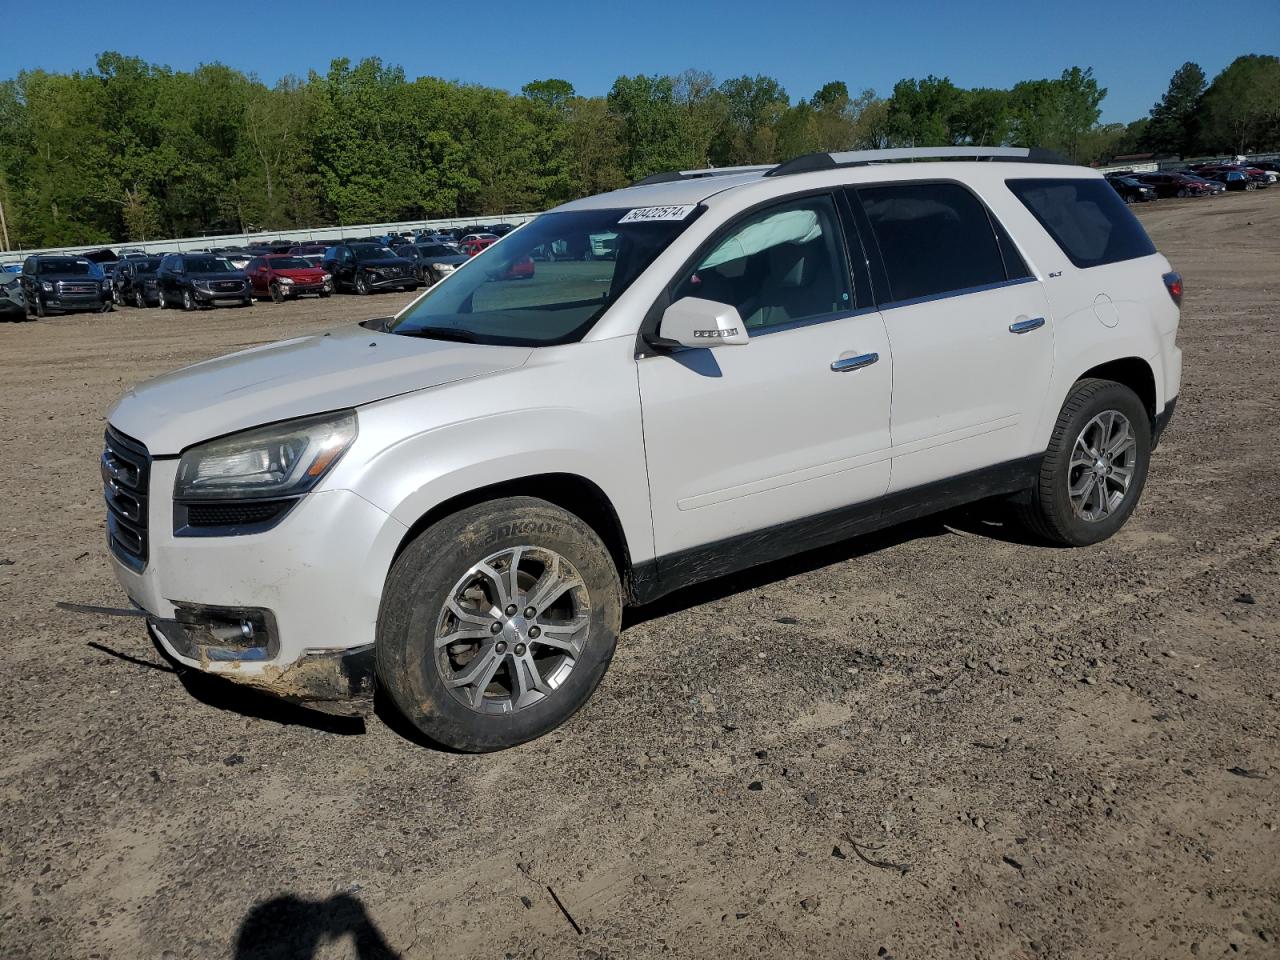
(942, 741)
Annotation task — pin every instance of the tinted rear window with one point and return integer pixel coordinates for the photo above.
(934, 238)
(1086, 218)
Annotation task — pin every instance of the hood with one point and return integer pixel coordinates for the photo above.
(454, 258)
(294, 378)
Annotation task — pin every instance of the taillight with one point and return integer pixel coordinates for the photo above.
(1173, 283)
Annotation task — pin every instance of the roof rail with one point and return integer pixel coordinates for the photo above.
(673, 175)
(811, 162)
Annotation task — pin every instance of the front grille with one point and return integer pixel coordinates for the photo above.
(245, 513)
(77, 288)
(227, 285)
(126, 477)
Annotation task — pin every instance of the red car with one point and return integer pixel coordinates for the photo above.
(285, 277)
(522, 269)
(474, 243)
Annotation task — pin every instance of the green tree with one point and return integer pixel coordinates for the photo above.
(1241, 108)
(1173, 119)
(1056, 114)
(652, 126)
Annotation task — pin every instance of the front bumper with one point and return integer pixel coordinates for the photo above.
(215, 296)
(313, 584)
(70, 303)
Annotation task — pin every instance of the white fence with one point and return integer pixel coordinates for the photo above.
(310, 235)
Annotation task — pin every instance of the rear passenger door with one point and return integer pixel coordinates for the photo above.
(969, 326)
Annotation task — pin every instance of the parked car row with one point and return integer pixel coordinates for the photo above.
(1198, 180)
(277, 271)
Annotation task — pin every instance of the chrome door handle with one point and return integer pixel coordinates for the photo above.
(1026, 326)
(855, 363)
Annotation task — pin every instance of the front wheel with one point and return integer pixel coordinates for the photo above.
(488, 645)
(139, 299)
(41, 310)
(362, 285)
(117, 296)
(1183, 193)
(277, 295)
(188, 301)
(1095, 467)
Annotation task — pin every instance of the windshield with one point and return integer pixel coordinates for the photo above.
(548, 282)
(208, 265)
(288, 263)
(81, 268)
(372, 253)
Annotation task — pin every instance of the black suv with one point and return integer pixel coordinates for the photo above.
(64, 284)
(365, 267)
(192, 280)
(133, 281)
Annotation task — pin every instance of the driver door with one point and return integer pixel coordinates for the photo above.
(792, 424)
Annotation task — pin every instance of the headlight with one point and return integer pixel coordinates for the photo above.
(282, 460)
(446, 267)
(200, 284)
(327, 277)
(47, 286)
(284, 280)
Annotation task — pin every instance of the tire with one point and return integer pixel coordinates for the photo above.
(1052, 514)
(188, 301)
(247, 302)
(161, 300)
(362, 285)
(107, 307)
(277, 295)
(41, 310)
(1183, 194)
(116, 296)
(324, 294)
(139, 299)
(434, 569)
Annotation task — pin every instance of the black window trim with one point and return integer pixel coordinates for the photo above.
(881, 272)
(645, 347)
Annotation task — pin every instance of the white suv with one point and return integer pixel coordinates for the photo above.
(460, 500)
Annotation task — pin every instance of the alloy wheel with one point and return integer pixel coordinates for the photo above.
(1103, 463)
(512, 630)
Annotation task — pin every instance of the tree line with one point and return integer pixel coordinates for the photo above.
(131, 151)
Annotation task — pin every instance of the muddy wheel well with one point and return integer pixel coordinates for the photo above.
(1135, 373)
(568, 491)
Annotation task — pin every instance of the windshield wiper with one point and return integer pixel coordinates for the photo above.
(439, 333)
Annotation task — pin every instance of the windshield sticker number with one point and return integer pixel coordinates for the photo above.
(651, 214)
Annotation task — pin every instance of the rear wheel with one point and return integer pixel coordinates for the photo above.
(497, 623)
(1095, 467)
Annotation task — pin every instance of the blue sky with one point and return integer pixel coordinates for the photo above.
(803, 43)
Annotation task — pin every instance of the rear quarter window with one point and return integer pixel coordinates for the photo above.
(1087, 219)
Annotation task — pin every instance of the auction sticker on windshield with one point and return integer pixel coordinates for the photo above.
(647, 214)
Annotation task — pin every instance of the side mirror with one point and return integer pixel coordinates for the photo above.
(694, 322)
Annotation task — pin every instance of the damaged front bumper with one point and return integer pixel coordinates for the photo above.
(238, 644)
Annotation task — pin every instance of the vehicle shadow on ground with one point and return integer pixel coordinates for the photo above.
(225, 695)
(993, 519)
(289, 927)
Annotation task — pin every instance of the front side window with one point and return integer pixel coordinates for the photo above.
(777, 266)
(547, 283)
(1086, 218)
(934, 238)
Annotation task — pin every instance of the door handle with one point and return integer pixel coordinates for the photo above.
(854, 363)
(1026, 326)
